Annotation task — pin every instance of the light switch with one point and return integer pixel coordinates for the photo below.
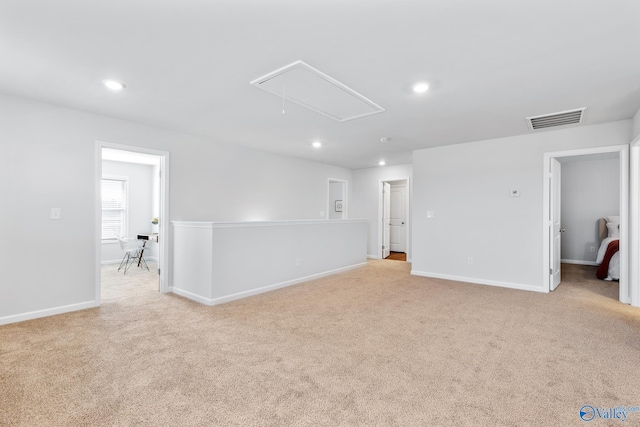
(55, 213)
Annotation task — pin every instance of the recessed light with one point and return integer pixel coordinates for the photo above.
(316, 144)
(382, 163)
(113, 84)
(420, 87)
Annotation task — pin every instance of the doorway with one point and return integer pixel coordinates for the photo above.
(394, 214)
(337, 196)
(140, 176)
(552, 200)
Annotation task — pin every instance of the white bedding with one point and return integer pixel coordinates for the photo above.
(614, 264)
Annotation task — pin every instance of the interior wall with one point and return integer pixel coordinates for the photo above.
(141, 197)
(465, 224)
(636, 124)
(590, 190)
(48, 159)
(365, 200)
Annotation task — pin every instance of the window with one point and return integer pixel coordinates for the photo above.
(114, 208)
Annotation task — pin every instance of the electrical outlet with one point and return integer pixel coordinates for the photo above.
(55, 213)
(470, 261)
(297, 262)
(431, 214)
(592, 248)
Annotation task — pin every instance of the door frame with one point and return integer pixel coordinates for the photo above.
(634, 221)
(623, 152)
(407, 231)
(345, 197)
(163, 226)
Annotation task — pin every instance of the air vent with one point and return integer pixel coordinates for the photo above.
(563, 118)
(308, 87)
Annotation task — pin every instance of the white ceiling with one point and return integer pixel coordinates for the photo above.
(187, 65)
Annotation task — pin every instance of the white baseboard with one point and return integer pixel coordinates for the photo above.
(579, 262)
(227, 298)
(47, 312)
(373, 257)
(509, 285)
(118, 261)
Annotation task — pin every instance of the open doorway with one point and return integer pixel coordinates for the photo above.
(337, 197)
(131, 208)
(571, 209)
(394, 213)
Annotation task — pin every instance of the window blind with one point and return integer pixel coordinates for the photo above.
(114, 208)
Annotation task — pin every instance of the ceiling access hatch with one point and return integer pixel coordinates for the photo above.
(569, 117)
(309, 87)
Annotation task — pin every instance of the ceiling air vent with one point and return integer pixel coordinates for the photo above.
(309, 87)
(570, 117)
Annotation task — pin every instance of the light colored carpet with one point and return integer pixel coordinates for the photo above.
(373, 346)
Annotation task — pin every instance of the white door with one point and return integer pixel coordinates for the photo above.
(555, 229)
(386, 219)
(398, 218)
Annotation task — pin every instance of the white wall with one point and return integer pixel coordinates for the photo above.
(141, 208)
(590, 190)
(220, 262)
(636, 124)
(47, 160)
(467, 186)
(365, 200)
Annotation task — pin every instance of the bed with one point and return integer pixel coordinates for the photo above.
(608, 257)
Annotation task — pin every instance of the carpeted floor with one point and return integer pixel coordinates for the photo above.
(372, 347)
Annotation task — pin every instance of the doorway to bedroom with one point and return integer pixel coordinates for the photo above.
(585, 190)
(131, 208)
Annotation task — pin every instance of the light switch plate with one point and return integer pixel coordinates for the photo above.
(55, 213)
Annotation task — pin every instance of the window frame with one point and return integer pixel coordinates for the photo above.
(125, 232)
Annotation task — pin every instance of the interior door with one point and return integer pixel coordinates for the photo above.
(386, 219)
(555, 229)
(398, 218)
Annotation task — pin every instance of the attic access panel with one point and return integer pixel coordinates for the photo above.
(308, 87)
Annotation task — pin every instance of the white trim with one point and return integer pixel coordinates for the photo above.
(578, 262)
(47, 312)
(220, 300)
(118, 261)
(369, 256)
(407, 237)
(634, 222)
(345, 197)
(623, 151)
(164, 242)
(496, 283)
(246, 224)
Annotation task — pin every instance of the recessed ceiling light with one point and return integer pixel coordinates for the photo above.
(113, 84)
(382, 163)
(316, 144)
(421, 87)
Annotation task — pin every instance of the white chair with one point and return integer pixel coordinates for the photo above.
(132, 253)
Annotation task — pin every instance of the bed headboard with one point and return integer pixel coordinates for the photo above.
(603, 233)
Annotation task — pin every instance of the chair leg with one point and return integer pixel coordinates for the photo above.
(123, 262)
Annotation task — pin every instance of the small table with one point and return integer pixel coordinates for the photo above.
(146, 237)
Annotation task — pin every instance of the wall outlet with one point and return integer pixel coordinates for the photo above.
(515, 193)
(592, 249)
(431, 214)
(470, 261)
(297, 262)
